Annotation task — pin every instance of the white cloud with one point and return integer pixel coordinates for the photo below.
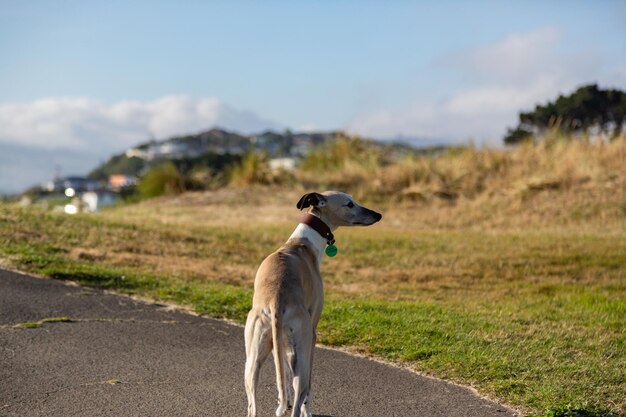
(502, 98)
(418, 119)
(90, 125)
(481, 113)
(510, 75)
(514, 57)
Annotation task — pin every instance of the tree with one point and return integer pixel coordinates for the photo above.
(586, 108)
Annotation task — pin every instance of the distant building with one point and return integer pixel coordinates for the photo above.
(93, 201)
(159, 150)
(76, 184)
(117, 182)
(136, 153)
(302, 145)
(171, 150)
(288, 164)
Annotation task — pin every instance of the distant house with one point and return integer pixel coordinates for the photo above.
(159, 150)
(288, 164)
(236, 149)
(136, 153)
(302, 145)
(74, 183)
(171, 150)
(93, 201)
(119, 181)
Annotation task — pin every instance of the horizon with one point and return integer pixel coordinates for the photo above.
(83, 81)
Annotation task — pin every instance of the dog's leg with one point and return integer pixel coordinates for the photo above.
(258, 346)
(303, 338)
(279, 342)
(289, 375)
(306, 407)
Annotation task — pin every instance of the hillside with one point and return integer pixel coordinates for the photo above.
(556, 183)
(214, 149)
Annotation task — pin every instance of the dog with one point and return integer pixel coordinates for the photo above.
(289, 296)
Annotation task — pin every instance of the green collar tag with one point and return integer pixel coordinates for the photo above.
(331, 250)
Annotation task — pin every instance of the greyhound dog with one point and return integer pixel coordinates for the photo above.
(288, 299)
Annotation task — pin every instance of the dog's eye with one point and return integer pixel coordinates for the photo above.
(350, 204)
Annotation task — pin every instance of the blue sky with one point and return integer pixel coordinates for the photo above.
(95, 77)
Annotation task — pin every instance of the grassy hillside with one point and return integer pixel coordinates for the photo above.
(460, 174)
(504, 270)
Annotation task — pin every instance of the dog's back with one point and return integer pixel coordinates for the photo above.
(286, 276)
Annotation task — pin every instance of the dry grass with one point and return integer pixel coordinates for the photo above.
(470, 179)
(557, 183)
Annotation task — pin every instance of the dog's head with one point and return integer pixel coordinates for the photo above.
(338, 209)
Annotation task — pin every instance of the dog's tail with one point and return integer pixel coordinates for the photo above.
(279, 358)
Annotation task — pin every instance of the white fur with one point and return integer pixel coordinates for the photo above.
(307, 232)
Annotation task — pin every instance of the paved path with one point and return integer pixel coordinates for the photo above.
(121, 357)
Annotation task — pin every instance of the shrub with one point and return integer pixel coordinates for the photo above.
(162, 179)
(254, 168)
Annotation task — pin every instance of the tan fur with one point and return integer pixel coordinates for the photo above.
(287, 304)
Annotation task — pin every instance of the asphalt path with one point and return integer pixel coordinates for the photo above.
(123, 357)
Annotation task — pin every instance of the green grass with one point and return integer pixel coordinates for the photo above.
(27, 325)
(56, 320)
(534, 318)
(213, 299)
(525, 362)
(39, 323)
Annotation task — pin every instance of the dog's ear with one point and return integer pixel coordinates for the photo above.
(311, 199)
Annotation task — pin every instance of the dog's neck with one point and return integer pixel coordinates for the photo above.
(304, 231)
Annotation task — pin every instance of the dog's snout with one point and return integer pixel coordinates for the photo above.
(373, 215)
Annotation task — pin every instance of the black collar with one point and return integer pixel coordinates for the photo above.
(319, 226)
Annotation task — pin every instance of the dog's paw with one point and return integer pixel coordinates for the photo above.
(281, 409)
